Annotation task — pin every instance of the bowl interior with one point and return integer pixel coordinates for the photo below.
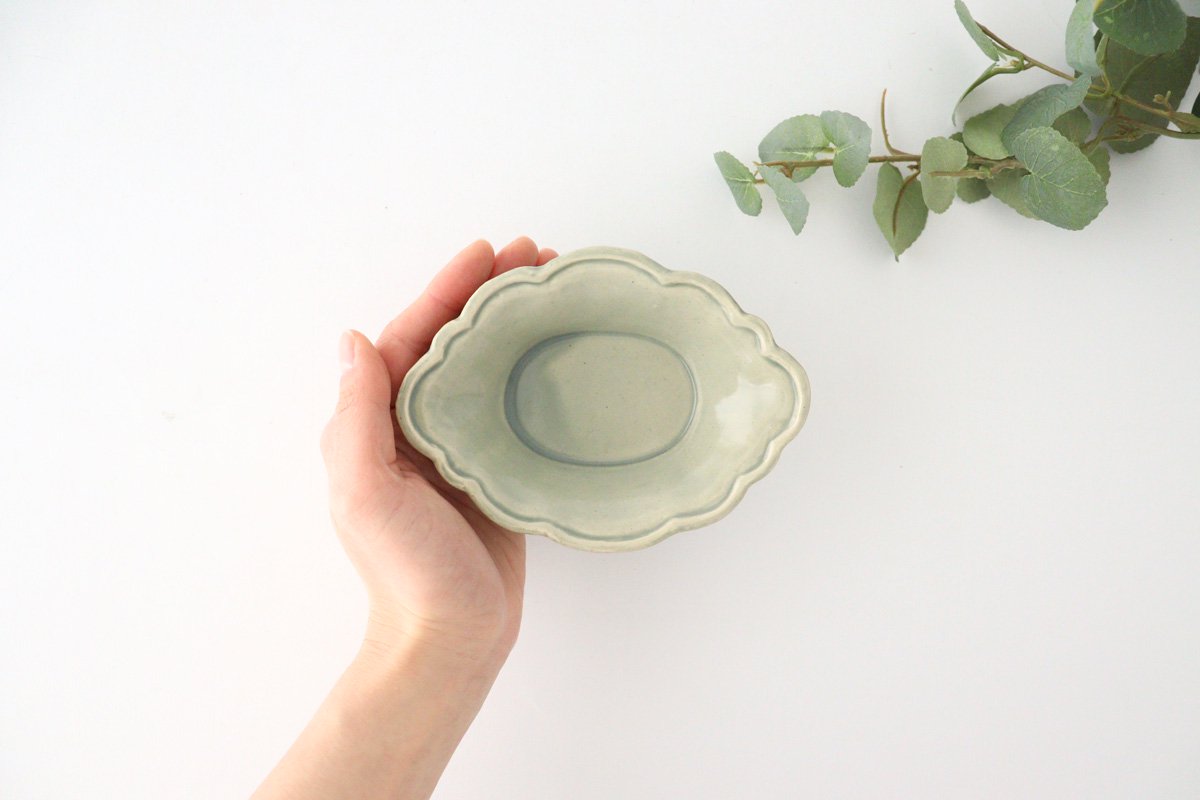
(602, 399)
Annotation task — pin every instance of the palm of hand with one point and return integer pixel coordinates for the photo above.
(434, 565)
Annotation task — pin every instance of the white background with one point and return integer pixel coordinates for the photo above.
(973, 574)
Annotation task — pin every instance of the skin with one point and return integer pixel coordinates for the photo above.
(445, 585)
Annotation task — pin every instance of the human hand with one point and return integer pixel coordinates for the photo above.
(445, 584)
(438, 572)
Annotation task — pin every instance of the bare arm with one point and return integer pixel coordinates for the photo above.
(445, 584)
(387, 729)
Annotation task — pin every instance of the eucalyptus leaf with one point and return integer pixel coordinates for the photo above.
(795, 139)
(851, 140)
(1081, 48)
(899, 209)
(1141, 78)
(1043, 107)
(969, 190)
(792, 201)
(1062, 187)
(992, 71)
(1005, 186)
(1076, 125)
(981, 133)
(741, 182)
(1100, 160)
(972, 190)
(957, 136)
(985, 43)
(1148, 27)
(1042, 155)
(940, 155)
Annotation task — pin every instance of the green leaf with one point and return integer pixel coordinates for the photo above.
(792, 201)
(1040, 109)
(972, 190)
(1148, 27)
(741, 182)
(1006, 187)
(1081, 48)
(940, 155)
(992, 71)
(985, 43)
(1062, 187)
(981, 133)
(1141, 78)
(899, 209)
(1076, 125)
(1100, 158)
(957, 136)
(851, 139)
(795, 139)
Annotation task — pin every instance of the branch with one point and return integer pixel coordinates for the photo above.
(828, 162)
(1102, 91)
(1130, 122)
(883, 126)
(1032, 62)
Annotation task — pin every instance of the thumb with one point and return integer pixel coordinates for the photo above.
(358, 442)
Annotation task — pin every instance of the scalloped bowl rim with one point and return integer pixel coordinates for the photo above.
(678, 522)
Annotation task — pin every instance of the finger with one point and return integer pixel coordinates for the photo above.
(546, 254)
(520, 252)
(358, 442)
(407, 337)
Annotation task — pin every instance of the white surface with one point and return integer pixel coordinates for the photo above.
(972, 575)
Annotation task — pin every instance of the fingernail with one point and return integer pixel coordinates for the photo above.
(346, 350)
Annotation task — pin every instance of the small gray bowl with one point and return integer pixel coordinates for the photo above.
(603, 401)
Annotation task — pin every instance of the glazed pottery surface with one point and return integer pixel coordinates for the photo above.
(602, 400)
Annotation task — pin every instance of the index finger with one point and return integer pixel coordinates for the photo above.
(407, 337)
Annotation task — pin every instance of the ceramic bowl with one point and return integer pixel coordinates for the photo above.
(603, 401)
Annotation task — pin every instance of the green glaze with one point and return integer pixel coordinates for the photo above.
(603, 401)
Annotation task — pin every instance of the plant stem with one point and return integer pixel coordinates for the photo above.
(828, 162)
(1139, 125)
(993, 165)
(1162, 112)
(962, 173)
(896, 208)
(883, 126)
(1126, 125)
(1033, 62)
(1098, 139)
(1002, 163)
(1104, 91)
(987, 168)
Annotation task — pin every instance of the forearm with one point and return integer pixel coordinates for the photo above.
(388, 727)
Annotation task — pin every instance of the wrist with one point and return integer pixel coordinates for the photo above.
(392, 721)
(394, 641)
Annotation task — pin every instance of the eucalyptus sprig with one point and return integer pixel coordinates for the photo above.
(1046, 155)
